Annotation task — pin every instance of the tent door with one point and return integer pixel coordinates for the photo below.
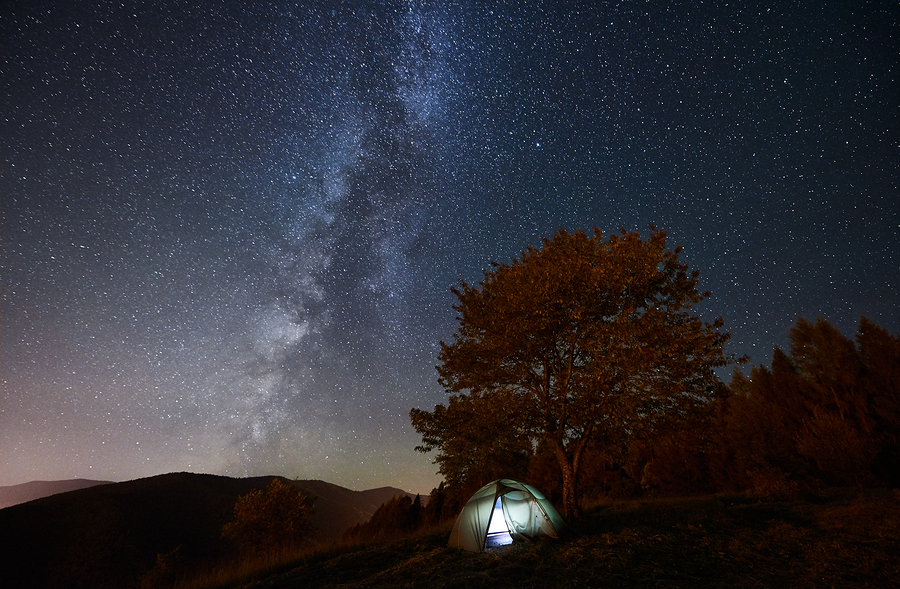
(498, 532)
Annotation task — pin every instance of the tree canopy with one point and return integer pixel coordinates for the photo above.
(826, 412)
(474, 450)
(582, 340)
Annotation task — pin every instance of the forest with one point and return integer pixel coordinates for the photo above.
(580, 368)
(825, 413)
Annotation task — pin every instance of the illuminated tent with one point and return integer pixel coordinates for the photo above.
(501, 512)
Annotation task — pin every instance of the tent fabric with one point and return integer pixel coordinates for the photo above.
(526, 513)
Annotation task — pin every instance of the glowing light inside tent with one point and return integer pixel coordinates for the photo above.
(498, 533)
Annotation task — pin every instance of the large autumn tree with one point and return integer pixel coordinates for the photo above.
(583, 339)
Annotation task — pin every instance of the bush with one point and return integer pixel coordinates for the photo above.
(276, 518)
(164, 574)
(771, 484)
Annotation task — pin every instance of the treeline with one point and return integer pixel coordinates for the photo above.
(825, 413)
(403, 515)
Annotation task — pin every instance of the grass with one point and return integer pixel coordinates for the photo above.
(842, 538)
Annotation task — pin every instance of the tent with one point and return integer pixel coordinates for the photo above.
(503, 511)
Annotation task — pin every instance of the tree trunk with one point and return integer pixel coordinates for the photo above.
(569, 465)
(570, 501)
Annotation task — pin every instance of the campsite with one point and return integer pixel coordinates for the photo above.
(843, 538)
(832, 538)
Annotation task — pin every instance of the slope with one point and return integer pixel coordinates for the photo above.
(110, 535)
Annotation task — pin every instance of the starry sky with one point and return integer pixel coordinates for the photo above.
(230, 230)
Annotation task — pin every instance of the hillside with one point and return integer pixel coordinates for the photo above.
(847, 538)
(110, 535)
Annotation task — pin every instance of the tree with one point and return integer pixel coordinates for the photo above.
(836, 432)
(275, 518)
(583, 339)
(880, 353)
(826, 412)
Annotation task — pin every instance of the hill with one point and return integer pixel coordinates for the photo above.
(339, 508)
(110, 535)
(15, 494)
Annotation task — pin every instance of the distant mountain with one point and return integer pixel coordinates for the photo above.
(109, 535)
(338, 508)
(15, 494)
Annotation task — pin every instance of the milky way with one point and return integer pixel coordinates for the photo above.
(230, 232)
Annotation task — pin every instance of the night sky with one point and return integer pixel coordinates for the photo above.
(229, 232)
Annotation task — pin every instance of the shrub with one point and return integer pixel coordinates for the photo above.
(771, 484)
(265, 520)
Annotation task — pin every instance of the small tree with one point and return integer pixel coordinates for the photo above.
(584, 339)
(275, 518)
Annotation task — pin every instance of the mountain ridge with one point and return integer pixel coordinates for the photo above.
(109, 535)
(23, 493)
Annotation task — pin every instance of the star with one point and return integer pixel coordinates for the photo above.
(230, 235)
